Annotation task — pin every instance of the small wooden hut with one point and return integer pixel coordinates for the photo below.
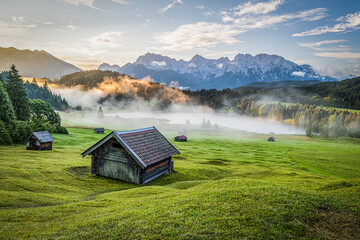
(271, 139)
(99, 130)
(181, 138)
(136, 156)
(39, 141)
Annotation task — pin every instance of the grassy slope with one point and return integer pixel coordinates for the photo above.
(225, 187)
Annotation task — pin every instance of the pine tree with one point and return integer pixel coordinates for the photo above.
(17, 95)
(100, 113)
(7, 115)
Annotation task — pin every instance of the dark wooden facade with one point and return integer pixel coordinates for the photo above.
(271, 139)
(136, 156)
(99, 130)
(39, 141)
(181, 138)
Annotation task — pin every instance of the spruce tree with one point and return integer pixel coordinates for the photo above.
(7, 115)
(17, 94)
(100, 113)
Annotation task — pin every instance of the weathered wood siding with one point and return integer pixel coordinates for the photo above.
(33, 144)
(156, 170)
(111, 160)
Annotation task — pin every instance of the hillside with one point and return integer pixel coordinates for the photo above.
(347, 91)
(282, 84)
(118, 87)
(342, 94)
(87, 79)
(35, 63)
(224, 187)
(202, 73)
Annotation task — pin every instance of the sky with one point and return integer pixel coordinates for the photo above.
(86, 33)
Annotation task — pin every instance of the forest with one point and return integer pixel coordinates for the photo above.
(342, 94)
(19, 116)
(329, 122)
(44, 93)
(328, 108)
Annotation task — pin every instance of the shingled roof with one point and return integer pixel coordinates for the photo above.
(43, 137)
(147, 145)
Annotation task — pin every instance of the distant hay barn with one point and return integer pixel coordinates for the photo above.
(99, 130)
(39, 141)
(136, 156)
(181, 138)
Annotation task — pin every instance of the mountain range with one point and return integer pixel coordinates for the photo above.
(200, 72)
(35, 63)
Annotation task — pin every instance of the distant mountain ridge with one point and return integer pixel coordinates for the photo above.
(200, 72)
(35, 63)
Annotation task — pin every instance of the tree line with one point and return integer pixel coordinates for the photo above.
(44, 93)
(19, 116)
(339, 94)
(328, 122)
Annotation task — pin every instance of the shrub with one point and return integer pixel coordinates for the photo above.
(308, 132)
(61, 130)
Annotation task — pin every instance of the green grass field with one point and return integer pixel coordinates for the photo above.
(225, 187)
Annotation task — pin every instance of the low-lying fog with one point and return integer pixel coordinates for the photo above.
(138, 114)
(249, 124)
(199, 119)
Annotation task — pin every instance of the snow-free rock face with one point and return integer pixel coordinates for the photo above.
(200, 72)
(35, 63)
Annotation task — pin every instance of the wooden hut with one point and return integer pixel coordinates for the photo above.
(136, 156)
(181, 138)
(39, 141)
(271, 139)
(99, 130)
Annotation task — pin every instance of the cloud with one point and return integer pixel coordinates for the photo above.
(332, 72)
(171, 5)
(201, 7)
(258, 8)
(73, 28)
(235, 21)
(340, 51)
(107, 39)
(43, 22)
(158, 64)
(267, 21)
(17, 26)
(121, 1)
(342, 55)
(350, 22)
(299, 74)
(201, 34)
(316, 45)
(88, 3)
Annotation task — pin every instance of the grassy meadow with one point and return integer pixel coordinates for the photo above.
(226, 186)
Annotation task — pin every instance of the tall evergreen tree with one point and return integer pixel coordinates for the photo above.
(100, 113)
(17, 95)
(7, 115)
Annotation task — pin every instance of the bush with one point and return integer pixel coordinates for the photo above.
(325, 131)
(61, 130)
(39, 125)
(21, 132)
(308, 132)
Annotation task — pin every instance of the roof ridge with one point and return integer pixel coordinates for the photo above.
(135, 130)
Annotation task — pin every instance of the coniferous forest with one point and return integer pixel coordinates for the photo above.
(20, 116)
